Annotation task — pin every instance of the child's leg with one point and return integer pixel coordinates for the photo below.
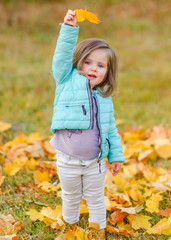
(93, 191)
(70, 179)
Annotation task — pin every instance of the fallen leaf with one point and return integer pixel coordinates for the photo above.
(117, 216)
(162, 227)
(41, 176)
(153, 203)
(165, 213)
(47, 187)
(4, 126)
(139, 221)
(35, 215)
(52, 214)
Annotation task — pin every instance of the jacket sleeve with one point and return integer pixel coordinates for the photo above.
(63, 55)
(115, 149)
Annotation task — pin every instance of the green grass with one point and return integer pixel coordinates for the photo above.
(142, 43)
(139, 31)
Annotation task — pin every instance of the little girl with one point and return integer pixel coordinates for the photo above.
(83, 123)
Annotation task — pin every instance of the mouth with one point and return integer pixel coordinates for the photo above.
(92, 76)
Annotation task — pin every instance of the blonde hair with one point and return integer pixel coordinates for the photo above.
(84, 48)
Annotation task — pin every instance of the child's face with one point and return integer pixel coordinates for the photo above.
(95, 67)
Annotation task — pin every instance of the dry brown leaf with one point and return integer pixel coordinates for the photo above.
(117, 216)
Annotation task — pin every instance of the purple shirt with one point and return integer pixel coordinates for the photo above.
(82, 144)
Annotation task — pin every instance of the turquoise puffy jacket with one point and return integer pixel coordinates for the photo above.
(73, 99)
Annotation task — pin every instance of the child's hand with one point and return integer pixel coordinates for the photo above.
(115, 168)
(71, 18)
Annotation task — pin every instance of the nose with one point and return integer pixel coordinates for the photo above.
(94, 67)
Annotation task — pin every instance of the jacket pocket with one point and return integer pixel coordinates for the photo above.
(82, 106)
(108, 142)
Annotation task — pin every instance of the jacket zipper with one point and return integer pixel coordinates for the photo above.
(98, 125)
(90, 104)
(83, 108)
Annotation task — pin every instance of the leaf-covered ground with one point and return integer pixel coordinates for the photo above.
(137, 199)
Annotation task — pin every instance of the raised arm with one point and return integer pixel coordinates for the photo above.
(63, 55)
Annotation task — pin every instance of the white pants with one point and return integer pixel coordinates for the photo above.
(82, 178)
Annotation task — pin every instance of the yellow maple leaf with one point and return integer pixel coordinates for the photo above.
(139, 221)
(84, 14)
(47, 186)
(149, 153)
(40, 176)
(52, 214)
(153, 202)
(120, 181)
(32, 163)
(164, 151)
(48, 221)
(12, 168)
(35, 215)
(34, 137)
(80, 13)
(58, 224)
(83, 206)
(162, 227)
(79, 234)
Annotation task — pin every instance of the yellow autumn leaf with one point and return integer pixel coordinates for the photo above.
(164, 151)
(32, 163)
(47, 186)
(120, 181)
(139, 221)
(83, 207)
(12, 168)
(129, 210)
(80, 234)
(153, 202)
(80, 13)
(4, 126)
(84, 14)
(52, 214)
(35, 137)
(130, 170)
(40, 176)
(149, 153)
(48, 221)
(162, 227)
(35, 215)
(58, 224)
(107, 203)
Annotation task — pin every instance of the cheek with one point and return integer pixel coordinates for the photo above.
(103, 74)
(84, 68)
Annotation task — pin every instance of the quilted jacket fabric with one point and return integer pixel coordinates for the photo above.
(73, 99)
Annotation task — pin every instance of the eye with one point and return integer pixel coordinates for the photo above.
(87, 62)
(100, 66)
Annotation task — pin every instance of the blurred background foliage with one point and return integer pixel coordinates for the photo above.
(138, 30)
